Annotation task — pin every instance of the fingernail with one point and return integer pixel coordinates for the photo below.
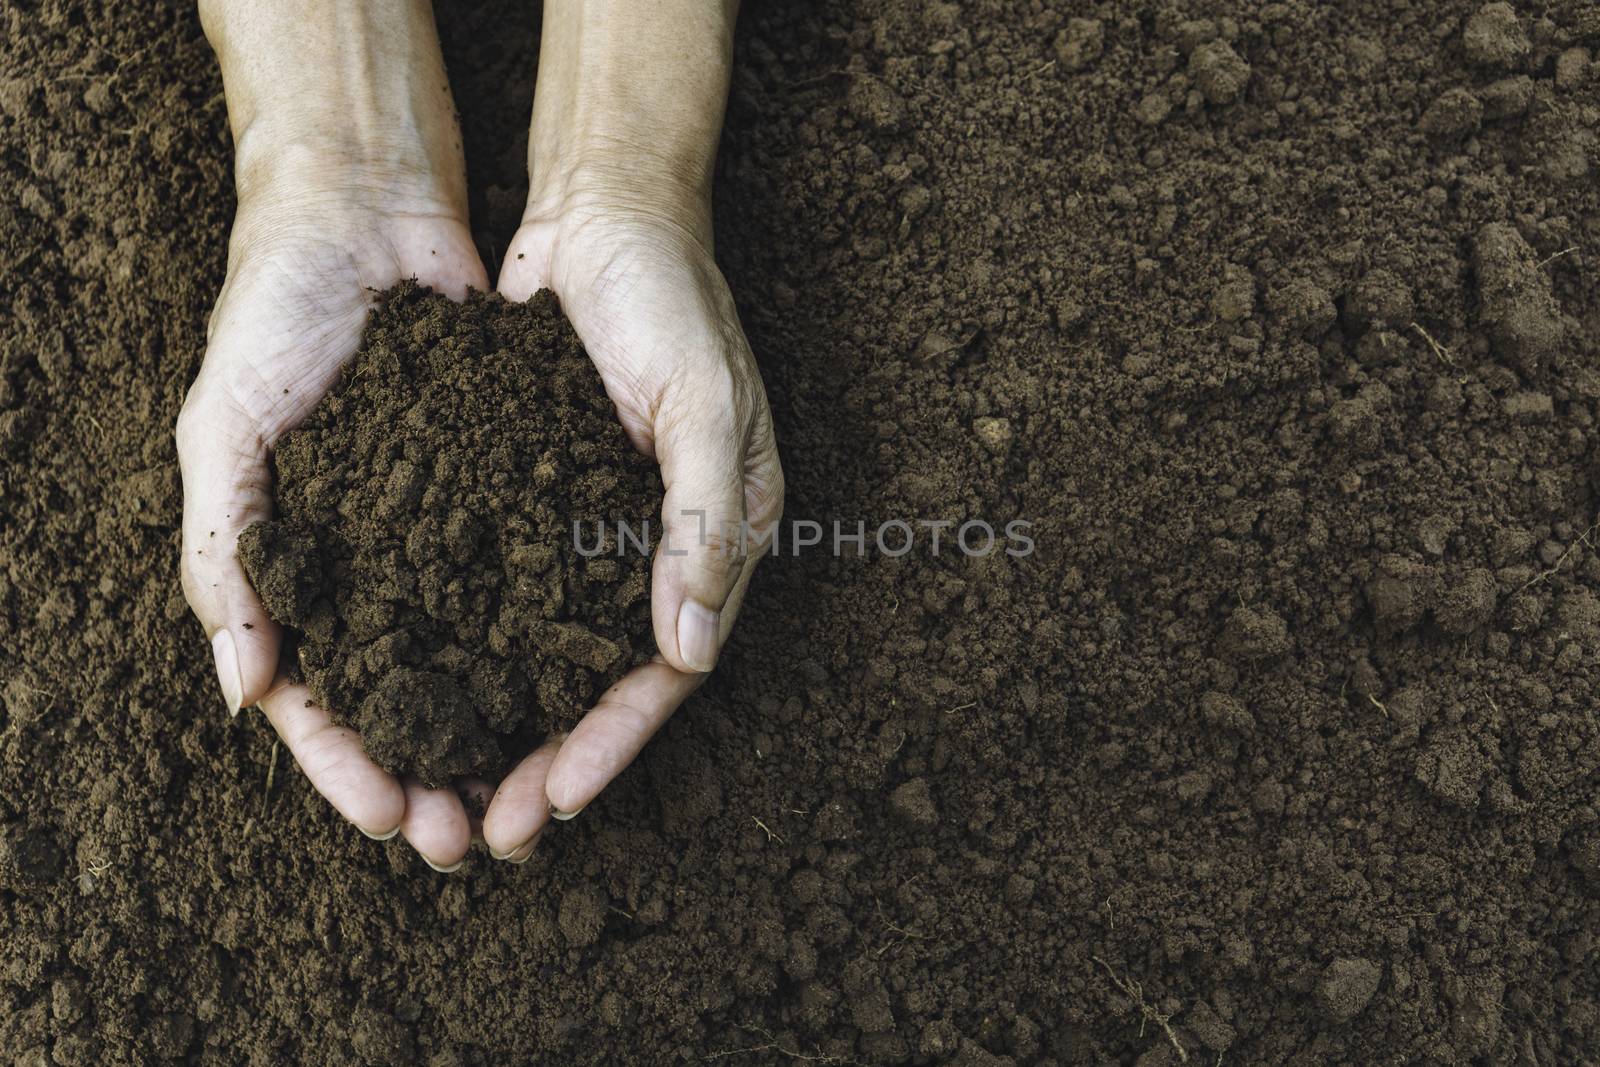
(379, 837)
(697, 635)
(519, 854)
(562, 816)
(443, 870)
(232, 682)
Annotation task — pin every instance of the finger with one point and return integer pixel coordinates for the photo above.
(520, 808)
(226, 487)
(613, 732)
(436, 825)
(525, 853)
(700, 443)
(335, 763)
(730, 610)
(763, 505)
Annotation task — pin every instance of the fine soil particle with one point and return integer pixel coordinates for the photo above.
(446, 549)
(1289, 719)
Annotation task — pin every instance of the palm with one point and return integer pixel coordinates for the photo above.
(292, 311)
(654, 314)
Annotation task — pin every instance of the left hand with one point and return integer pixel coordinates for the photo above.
(640, 286)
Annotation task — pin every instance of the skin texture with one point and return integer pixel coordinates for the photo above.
(349, 175)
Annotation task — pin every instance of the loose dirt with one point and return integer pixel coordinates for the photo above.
(1278, 320)
(452, 549)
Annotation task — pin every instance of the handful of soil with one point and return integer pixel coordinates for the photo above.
(424, 557)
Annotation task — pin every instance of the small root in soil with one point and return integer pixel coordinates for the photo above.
(902, 935)
(773, 1045)
(272, 772)
(1556, 256)
(1582, 539)
(1438, 349)
(1135, 992)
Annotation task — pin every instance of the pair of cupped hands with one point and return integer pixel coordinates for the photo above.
(312, 243)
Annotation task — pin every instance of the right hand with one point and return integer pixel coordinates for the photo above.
(304, 263)
(348, 164)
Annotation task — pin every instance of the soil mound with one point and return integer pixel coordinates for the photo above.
(427, 550)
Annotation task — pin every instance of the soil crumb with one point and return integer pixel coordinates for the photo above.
(426, 555)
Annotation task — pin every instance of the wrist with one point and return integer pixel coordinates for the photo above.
(598, 185)
(339, 103)
(287, 162)
(628, 108)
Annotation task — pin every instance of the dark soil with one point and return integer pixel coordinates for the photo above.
(1280, 322)
(427, 553)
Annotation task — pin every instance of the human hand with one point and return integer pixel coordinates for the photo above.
(334, 206)
(626, 117)
(636, 277)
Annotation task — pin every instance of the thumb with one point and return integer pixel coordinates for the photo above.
(701, 448)
(226, 487)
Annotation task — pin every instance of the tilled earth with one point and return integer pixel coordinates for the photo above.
(1277, 320)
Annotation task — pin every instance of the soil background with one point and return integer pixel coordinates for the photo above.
(1278, 320)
